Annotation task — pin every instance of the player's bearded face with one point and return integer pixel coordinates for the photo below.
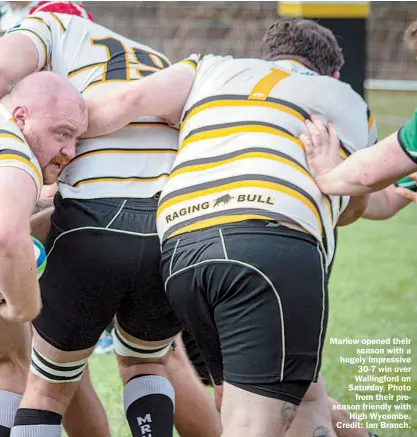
(53, 140)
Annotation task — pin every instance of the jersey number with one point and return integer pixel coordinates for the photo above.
(264, 86)
(118, 66)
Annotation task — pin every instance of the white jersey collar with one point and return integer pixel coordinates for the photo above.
(295, 67)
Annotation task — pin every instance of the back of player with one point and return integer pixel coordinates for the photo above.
(239, 141)
(245, 231)
(103, 247)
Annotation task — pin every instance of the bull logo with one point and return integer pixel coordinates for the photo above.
(223, 200)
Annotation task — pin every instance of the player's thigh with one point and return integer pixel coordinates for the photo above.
(85, 278)
(145, 313)
(189, 300)
(276, 306)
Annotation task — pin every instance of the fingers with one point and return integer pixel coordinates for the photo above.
(413, 176)
(334, 139)
(408, 194)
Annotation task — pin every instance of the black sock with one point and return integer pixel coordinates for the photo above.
(4, 431)
(30, 422)
(149, 406)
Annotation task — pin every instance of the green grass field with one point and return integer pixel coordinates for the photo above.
(372, 292)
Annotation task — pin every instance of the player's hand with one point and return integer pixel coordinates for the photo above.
(321, 146)
(408, 194)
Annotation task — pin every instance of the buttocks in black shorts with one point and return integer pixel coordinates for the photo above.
(254, 297)
(104, 260)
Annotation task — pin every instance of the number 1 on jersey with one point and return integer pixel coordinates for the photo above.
(264, 86)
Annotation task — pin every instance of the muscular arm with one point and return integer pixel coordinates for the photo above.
(18, 281)
(368, 170)
(162, 94)
(385, 204)
(18, 58)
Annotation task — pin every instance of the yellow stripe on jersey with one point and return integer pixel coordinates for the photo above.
(82, 69)
(248, 155)
(63, 30)
(121, 151)
(243, 103)
(370, 121)
(115, 179)
(263, 88)
(41, 20)
(252, 155)
(243, 184)
(11, 136)
(190, 63)
(243, 128)
(11, 157)
(219, 221)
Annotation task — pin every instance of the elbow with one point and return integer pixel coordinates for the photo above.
(366, 178)
(18, 315)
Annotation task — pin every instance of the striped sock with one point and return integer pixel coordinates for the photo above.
(9, 403)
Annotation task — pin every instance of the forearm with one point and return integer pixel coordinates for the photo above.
(40, 224)
(162, 94)
(368, 170)
(384, 204)
(18, 279)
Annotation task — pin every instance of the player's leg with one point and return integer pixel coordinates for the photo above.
(85, 415)
(195, 411)
(52, 381)
(15, 340)
(80, 293)
(268, 364)
(313, 416)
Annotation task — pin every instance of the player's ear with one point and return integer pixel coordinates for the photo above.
(20, 114)
(336, 74)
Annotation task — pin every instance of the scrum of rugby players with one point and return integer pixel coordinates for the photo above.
(268, 386)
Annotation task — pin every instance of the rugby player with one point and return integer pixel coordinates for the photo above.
(238, 233)
(104, 222)
(366, 171)
(41, 120)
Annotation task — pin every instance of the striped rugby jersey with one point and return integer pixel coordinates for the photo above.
(133, 162)
(15, 151)
(240, 157)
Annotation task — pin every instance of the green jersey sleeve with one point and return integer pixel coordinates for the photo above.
(407, 137)
(407, 183)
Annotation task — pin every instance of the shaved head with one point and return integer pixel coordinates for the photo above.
(44, 90)
(52, 115)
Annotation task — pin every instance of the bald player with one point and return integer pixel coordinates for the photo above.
(41, 121)
(104, 221)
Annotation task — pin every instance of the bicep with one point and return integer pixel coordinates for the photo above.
(162, 94)
(18, 58)
(18, 194)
